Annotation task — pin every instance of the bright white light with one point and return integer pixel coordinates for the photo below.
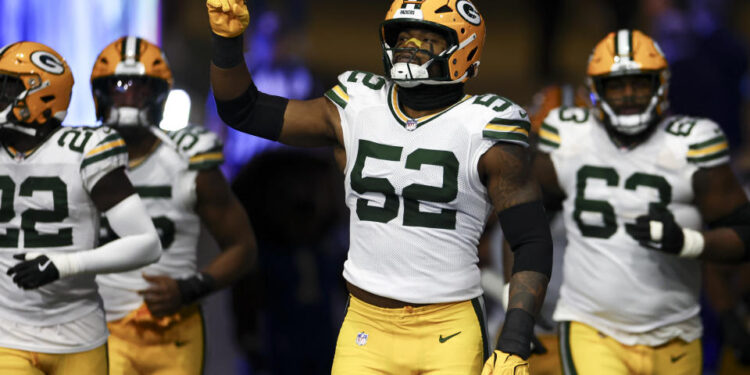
(176, 111)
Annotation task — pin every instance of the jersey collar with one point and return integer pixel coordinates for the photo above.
(413, 123)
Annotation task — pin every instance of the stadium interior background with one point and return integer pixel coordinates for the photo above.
(283, 318)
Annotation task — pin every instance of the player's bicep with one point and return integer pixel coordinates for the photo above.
(543, 171)
(717, 192)
(111, 189)
(311, 123)
(505, 171)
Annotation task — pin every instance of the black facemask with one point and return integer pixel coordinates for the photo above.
(426, 97)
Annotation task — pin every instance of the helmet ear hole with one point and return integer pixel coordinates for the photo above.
(48, 98)
(471, 54)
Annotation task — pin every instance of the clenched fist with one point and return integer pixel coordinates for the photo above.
(501, 363)
(228, 18)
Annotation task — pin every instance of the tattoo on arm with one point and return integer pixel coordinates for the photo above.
(527, 290)
(509, 180)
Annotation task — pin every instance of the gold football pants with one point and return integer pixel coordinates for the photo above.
(21, 362)
(586, 351)
(438, 339)
(142, 344)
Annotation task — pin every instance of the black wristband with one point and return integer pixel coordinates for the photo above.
(518, 330)
(227, 52)
(195, 287)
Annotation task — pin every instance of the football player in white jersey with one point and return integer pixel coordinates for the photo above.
(425, 165)
(637, 188)
(155, 321)
(55, 182)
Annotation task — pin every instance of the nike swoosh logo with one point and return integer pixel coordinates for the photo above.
(677, 357)
(446, 338)
(44, 266)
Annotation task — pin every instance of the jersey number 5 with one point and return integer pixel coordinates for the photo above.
(414, 194)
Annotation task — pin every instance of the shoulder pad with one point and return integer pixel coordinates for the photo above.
(200, 146)
(549, 132)
(707, 145)
(354, 82)
(508, 122)
(98, 143)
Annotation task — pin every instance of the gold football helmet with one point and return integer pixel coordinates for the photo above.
(628, 53)
(458, 21)
(130, 83)
(35, 86)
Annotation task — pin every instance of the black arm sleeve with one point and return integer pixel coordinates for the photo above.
(526, 229)
(254, 113)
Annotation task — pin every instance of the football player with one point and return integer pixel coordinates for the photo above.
(425, 164)
(637, 186)
(55, 181)
(152, 313)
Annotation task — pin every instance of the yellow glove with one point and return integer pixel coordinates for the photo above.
(501, 363)
(228, 18)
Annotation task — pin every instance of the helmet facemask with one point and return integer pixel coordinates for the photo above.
(13, 94)
(130, 100)
(635, 111)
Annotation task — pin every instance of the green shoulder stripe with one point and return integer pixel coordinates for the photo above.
(710, 157)
(710, 142)
(550, 128)
(524, 124)
(506, 136)
(104, 155)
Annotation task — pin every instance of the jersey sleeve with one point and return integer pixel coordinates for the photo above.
(549, 135)
(104, 152)
(707, 144)
(203, 148)
(509, 122)
(338, 94)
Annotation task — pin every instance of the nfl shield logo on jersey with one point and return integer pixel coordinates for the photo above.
(411, 124)
(361, 338)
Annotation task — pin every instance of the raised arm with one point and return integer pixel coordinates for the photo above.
(505, 170)
(308, 123)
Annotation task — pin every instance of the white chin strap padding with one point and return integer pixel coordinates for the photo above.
(402, 70)
(630, 124)
(127, 116)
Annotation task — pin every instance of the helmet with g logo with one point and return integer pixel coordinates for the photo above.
(458, 21)
(35, 86)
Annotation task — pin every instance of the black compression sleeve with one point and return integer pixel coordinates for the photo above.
(518, 330)
(254, 113)
(526, 229)
(226, 52)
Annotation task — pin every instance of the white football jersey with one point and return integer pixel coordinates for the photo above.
(46, 207)
(417, 204)
(165, 181)
(610, 282)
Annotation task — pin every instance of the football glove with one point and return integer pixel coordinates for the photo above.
(501, 363)
(33, 271)
(659, 231)
(228, 18)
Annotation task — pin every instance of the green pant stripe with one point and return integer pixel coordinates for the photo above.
(479, 310)
(566, 356)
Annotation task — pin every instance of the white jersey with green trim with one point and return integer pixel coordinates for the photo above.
(46, 207)
(417, 204)
(609, 281)
(165, 181)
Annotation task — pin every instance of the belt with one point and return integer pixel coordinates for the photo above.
(376, 300)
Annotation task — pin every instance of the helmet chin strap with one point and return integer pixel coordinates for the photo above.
(632, 124)
(7, 123)
(127, 116)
